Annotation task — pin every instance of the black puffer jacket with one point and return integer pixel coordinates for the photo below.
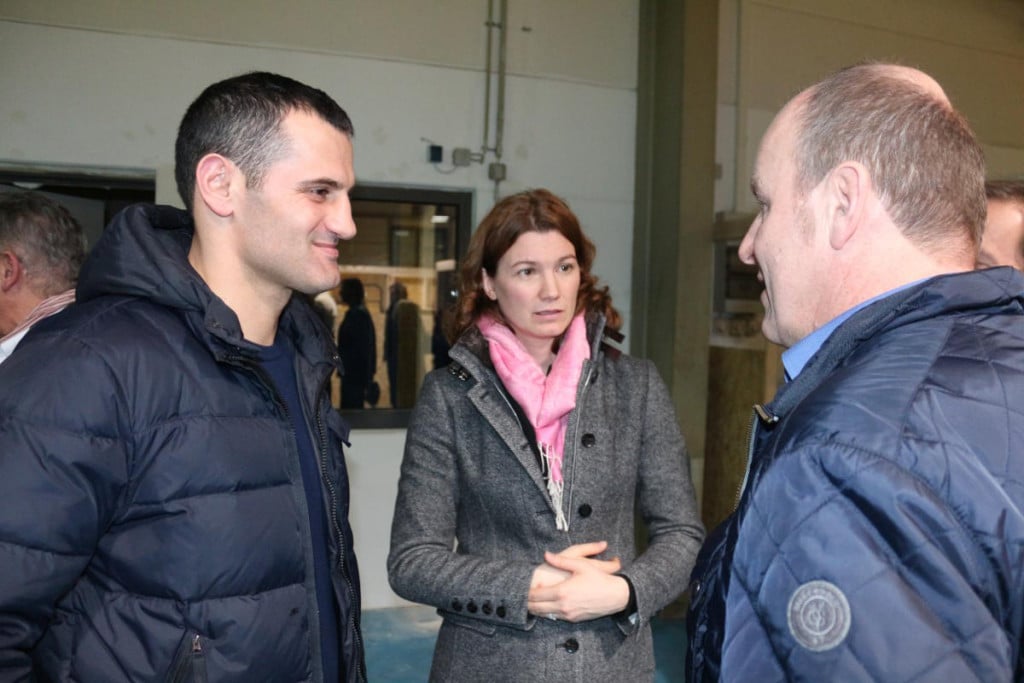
(153, 523)
(880, 536)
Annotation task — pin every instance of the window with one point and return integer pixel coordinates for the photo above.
(92, 196)
(404, 259)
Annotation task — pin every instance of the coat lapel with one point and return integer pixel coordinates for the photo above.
(498, 413)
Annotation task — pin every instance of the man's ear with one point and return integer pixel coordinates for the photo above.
(846, 194)
(11, 270)
(214, 176)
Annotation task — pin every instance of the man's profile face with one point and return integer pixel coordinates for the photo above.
(1002, 243)
(291, 223)
(781, 240)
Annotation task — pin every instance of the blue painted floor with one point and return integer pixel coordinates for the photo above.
(400, 642)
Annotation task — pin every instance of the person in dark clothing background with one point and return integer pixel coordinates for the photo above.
(396, 293)
(357, 345)
(175, 498)
(42, 247)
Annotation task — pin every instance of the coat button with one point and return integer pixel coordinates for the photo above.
(571, 645)
(588, 440)
(585, 510)
(471, 607)
(486, 609)
(500, 611)
(457, 605)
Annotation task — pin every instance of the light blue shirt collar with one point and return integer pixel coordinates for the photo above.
(795, 357)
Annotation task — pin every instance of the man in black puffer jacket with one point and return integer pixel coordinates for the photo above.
(173, 494)
(879, 535)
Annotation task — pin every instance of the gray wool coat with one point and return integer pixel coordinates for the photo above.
(473, 518)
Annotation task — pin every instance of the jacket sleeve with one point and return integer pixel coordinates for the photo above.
(423, 565)
(847, 567)
(60, 480)
(667, 505)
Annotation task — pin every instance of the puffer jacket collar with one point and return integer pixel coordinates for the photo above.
(144, 253)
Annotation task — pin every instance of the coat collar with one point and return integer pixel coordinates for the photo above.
(143, 253)
(991, 289)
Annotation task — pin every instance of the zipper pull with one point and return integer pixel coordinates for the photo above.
(197, 645)
(766, 416)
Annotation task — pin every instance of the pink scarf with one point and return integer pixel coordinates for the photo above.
(548, 399)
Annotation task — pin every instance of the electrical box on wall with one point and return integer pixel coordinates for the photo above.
(435, 153)
(496, 171)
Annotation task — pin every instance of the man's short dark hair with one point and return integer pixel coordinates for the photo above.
(45, 237)
(1005, 190)
(240, 118)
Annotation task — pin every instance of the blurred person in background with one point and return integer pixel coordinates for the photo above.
(42, 248)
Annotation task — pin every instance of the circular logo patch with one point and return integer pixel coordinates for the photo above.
(818, 616)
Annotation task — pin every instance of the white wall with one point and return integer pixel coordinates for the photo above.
(72, 94)
(770, 49)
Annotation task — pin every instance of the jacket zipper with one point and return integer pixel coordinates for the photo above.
(333, 496)
(512, 410)
(190, 660)
(241, 360)
(759, 413)
(269, 385)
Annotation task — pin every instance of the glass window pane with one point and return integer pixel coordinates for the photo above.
(404, 258)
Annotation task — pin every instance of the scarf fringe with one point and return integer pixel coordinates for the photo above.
(43, 309)
(555, 488)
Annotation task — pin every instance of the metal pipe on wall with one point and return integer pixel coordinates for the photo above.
(496, 170)
(502, 45)
(487, 81)
(499, 126)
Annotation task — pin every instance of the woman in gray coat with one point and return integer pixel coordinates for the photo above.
(526, 463)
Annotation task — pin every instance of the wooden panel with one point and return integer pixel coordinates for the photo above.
(735, 384)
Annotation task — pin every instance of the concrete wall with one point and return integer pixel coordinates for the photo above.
(767, 50)
(770, 49)
(104, 84)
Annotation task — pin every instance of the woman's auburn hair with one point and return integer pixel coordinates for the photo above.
(536, 210)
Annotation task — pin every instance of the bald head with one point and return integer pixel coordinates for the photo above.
(867, 181)
(924, 162)
(917, 79)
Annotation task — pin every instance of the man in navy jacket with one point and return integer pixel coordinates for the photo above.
(879, 534)
(173, 496)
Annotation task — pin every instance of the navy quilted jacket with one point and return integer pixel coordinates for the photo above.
(880, 533)
(153, 524)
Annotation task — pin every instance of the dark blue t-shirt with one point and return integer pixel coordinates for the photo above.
(278, 361)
